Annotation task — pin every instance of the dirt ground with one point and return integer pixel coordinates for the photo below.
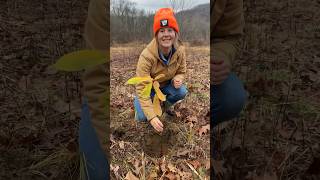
(190, 146)
(39, 121)
(277, 135)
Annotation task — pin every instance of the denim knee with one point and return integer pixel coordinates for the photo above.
(177, 94)
(228, 99)
(233, 104)
(181, 92)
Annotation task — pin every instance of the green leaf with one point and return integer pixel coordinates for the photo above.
(137, 80)
(146, 91)
(79, 60)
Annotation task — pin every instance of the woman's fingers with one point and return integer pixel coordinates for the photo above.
(217, 61)
(160, 124)
(159, 127)
(157, 124)
(219, 73)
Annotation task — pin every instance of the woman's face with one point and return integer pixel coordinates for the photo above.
(166, 37)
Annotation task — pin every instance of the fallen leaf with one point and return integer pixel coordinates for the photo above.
(203, 130)
(196, 164)
(278, 158)
(114, 169)
(183, 153)
(170, 176)
(190, 124)
(253, 116)
(207, 164)
(23, 83)
(137, 166)
(121, 144)
(185, 175)
(61, 106)
(172, 168)
(314, 77)
(192, 119)
(162, 165)
(153, 175)
(285, 133)
(131, 176)
(298, 136)
(178, 114)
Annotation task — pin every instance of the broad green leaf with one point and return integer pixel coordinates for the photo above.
(137, 80)
(80, 60)
(156, 87)
(147, 90)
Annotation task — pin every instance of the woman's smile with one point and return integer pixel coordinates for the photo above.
(166, 37)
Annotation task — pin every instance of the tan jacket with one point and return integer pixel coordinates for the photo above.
(150, 64)
(96, 79)
(227, 24)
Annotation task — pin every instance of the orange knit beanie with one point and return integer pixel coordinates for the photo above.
(164, 17)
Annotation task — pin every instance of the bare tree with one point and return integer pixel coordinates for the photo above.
(131, 24)
(180, 5)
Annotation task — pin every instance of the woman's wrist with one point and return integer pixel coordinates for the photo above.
(151, 118)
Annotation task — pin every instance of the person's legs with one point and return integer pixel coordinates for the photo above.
(173, 94)
(95, 160)
(228, 99)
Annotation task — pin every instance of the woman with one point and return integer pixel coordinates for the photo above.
(163, 55)
(227, 91)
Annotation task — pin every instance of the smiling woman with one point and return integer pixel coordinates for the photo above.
(164, 56)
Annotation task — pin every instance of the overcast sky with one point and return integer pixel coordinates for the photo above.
(152, 5)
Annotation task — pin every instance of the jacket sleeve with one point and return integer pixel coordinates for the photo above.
(144, 69)
(96, 31)
(227, 30)
(95, 79)
(180, 74)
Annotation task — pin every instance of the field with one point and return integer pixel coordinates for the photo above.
(189, 134)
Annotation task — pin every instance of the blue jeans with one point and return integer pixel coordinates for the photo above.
(228, 99)
(172, 96)
(96, 164)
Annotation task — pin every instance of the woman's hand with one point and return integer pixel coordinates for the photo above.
(156, 124)
(177, 83)
(220, 71)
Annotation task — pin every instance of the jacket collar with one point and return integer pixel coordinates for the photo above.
(153, 48)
